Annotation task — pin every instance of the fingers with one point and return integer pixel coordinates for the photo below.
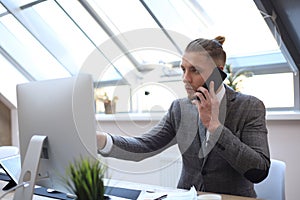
(211, 89)
(208, 105)
(101, 139)
(203, 94)
(204, 103)
(200, 95)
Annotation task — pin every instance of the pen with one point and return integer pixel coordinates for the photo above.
(161, 197)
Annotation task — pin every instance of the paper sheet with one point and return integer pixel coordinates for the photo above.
(174, 195)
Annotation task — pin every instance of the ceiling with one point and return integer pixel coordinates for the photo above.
(284, 15)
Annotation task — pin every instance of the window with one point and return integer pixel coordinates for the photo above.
(140, 47)
(66, 32)
(27, 51)
(153, 97)
(279, 89)
(250, 45)
(9, 78)
(2, 10)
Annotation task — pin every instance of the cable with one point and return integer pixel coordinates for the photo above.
(279, 40)
(25, 184)
(276, 31)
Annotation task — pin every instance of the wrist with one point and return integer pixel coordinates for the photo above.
(213, 127)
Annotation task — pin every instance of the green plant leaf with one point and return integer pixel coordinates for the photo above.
(235, 78)
(84, 178)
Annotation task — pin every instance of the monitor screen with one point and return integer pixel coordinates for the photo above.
(63, 110)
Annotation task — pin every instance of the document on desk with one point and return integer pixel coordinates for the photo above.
(174, 195)
(116, 198)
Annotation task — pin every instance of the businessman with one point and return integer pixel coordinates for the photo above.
(221, 134)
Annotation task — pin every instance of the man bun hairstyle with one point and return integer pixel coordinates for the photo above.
(220, 39)
(214, 48)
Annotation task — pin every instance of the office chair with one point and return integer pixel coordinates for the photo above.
(273, 187)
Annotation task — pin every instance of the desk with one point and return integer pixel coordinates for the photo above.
(10, 195)
(145, 187)
(129, 185)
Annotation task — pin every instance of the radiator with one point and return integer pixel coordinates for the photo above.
(170, 171)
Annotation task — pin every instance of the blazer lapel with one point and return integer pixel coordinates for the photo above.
(225, 104)
(188, 127)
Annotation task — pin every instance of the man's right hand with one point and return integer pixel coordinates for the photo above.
(101, 140)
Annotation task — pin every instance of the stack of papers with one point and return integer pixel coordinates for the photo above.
(174, 195)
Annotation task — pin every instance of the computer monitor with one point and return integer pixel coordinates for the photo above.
(63, 110)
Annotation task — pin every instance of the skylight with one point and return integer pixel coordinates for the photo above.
(132, 42)
(239, 21)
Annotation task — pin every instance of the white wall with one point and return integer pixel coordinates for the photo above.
(284, 141)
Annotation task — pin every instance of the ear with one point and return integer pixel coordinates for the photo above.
(221, 67)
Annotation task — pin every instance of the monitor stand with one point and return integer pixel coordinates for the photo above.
(9, 185)
(30, 168)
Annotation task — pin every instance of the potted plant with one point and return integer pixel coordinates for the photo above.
(84, 178)
(234, 79)
(109, 104)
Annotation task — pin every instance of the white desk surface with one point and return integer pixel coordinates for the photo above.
(145, 187)
(125, 184)
(10, 195)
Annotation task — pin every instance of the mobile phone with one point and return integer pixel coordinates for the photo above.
(218, 76)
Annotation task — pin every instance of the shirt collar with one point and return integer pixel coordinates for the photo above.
(221, 93)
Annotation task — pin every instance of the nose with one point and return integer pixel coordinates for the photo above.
(187, 77)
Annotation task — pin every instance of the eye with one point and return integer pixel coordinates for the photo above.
(196, 71)
(183, 69)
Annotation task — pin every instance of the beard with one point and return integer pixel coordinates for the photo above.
(191, 96)
(190, 92)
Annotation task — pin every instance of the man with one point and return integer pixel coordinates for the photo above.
(220, 133)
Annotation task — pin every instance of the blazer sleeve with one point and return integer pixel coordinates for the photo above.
(156, 140)
(246, 149)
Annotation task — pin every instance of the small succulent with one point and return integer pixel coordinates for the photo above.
(84, 178)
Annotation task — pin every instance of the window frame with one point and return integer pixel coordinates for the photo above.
(57, 47)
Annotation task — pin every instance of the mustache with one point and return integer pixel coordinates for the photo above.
(188, 86)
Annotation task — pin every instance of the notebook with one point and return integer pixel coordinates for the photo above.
(12, 167)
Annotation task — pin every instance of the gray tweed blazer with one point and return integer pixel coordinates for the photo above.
(229, 162)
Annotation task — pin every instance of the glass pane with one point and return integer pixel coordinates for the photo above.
(2, 9)
(127, 25)
(66, 31)
(24, 2)
(109, 75)
(147, 98)
(283, 82)
(85, 21)
(179, 16)
(124, 66)
(78, 41)
(257, 60)
(239, 21)
(27, 51)
(123, 16)
(9, 78)
(158, 56)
